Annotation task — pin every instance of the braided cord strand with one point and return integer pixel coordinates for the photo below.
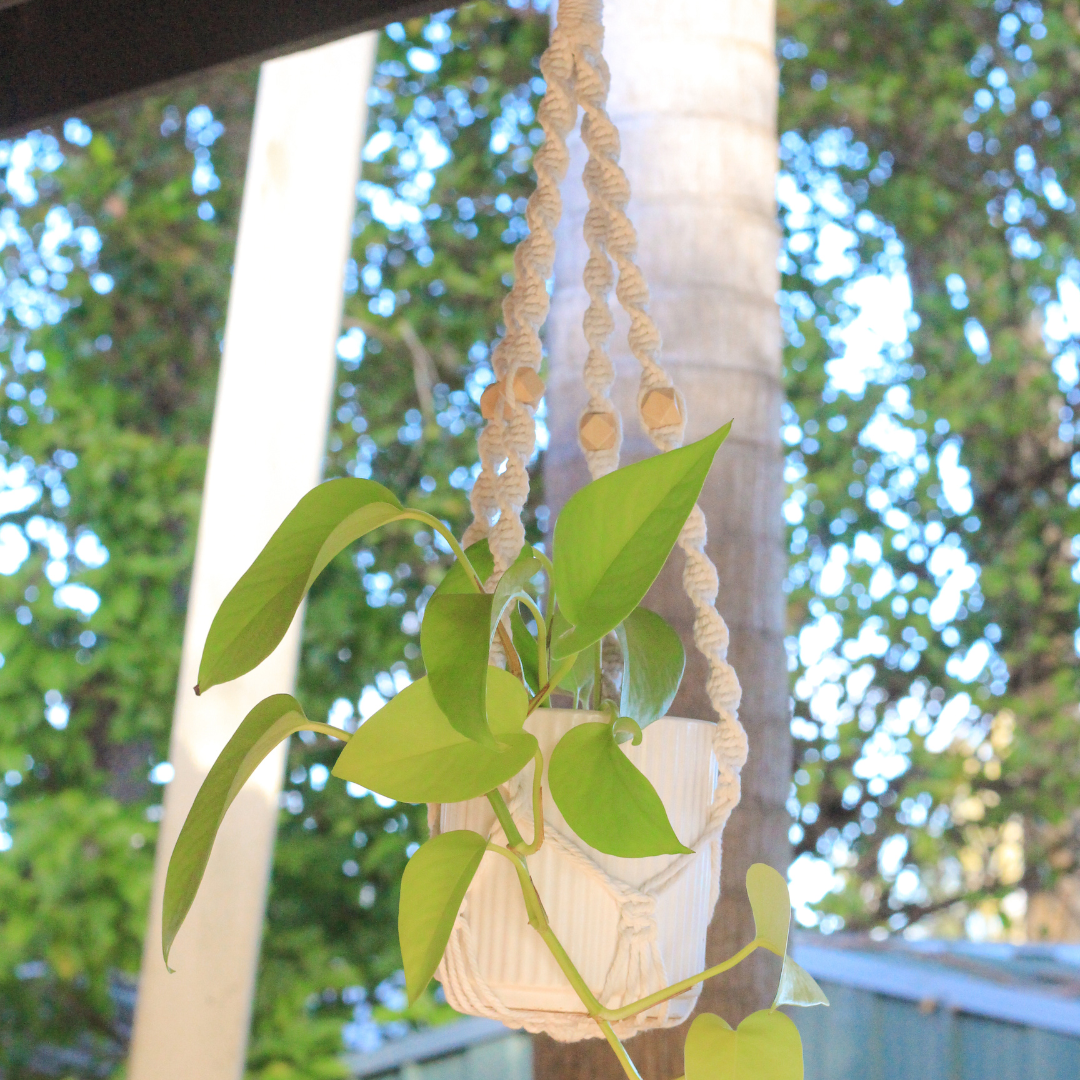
(600, 425)
(509, 437)
(609, 232)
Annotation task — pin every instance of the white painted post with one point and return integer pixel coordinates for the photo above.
(266, 450)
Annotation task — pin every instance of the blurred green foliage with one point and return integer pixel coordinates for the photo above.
(116, 261)
(941, 139)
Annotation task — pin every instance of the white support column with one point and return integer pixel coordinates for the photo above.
(266, 450)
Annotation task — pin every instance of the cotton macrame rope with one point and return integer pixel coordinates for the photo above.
(499, 494)
(576, 74)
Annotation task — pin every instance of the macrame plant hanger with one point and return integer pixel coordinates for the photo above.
(577, 75)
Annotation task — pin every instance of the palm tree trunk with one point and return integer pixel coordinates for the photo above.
(694, 90)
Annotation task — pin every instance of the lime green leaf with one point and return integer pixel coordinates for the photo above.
(653, 662)
(459, 580)
(613, 537)
(771, 905)
(766, 1046)
(255, 615)
(455, 641)
(408, 751)
(269, 723)
(605, 799)
(797, 987)
(579, 679)
(512, 584)
(432, 888)
(527, 649)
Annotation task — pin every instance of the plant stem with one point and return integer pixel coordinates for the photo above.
(459, 553)
(553, 681)
(598, 675)
(541, 639)
(538, 806)
(679, 987)
(448, 536)
(502, 812)
(620, 1051)
(326, 729)
(538, 920)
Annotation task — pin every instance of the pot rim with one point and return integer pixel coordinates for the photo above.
(603, 716)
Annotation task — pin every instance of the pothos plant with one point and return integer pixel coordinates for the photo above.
(459, 732)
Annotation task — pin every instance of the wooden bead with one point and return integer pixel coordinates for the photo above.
(598, 431)
(493, 401)
(661, 408)
(528, 390)
(528, 387)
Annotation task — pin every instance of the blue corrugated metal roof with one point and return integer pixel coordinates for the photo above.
(1034, 985)
(940, 1010)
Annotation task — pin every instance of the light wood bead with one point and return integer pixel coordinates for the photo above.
(661, 408)
(528, 387)
(598, 431)
(493, 401)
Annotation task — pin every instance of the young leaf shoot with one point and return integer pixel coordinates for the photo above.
(653, 662)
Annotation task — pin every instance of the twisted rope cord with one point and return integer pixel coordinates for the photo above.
(609, 231)
(592, 82)
(505, 445)
(575, 71)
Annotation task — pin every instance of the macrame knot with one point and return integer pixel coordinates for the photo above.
(638, 968)
(637, 916)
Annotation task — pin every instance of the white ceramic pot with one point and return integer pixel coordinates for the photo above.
(631, 926)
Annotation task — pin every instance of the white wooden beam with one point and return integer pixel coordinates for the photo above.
(266, 450)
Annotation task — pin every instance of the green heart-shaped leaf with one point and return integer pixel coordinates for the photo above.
(255, 615)
(605, 799)
(766, 1046)
(408, 751)
(797, 987)
(435, 881)
(653, 662)
(269, 723)
(614, 536)
(771, 905)
(454, 638)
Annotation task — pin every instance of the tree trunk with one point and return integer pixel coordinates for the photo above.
(693, 93)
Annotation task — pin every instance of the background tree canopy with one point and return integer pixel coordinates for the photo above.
(927, 158)
(931, 301)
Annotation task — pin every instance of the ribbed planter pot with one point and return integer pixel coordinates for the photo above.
(631, 926)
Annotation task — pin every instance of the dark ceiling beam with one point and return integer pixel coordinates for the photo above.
(58, 57)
